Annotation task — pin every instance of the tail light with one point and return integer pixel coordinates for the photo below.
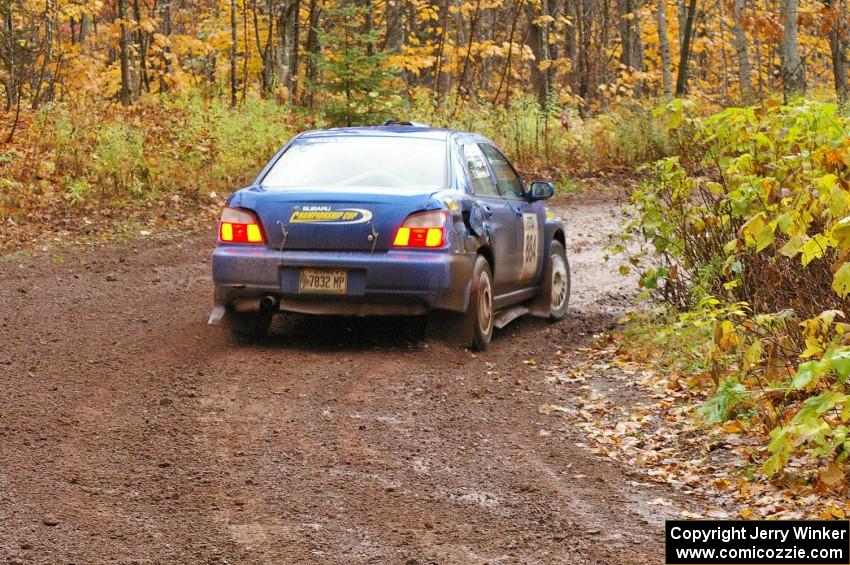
(426, 229)
(239, 226)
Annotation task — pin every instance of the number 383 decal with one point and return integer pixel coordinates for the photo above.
(530, 246)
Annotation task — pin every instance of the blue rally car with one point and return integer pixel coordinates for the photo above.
(399, 219)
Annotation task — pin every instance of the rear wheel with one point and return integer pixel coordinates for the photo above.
(253, 325)
(559, 281)
(480, 314)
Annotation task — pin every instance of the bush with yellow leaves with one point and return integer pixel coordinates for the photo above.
(748, 232)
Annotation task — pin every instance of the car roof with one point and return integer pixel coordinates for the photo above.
(402, 131)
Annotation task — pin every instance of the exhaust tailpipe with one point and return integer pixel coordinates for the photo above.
(268, 302)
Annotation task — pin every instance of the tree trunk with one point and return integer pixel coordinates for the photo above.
(488, 34)
(124, 54)
(313, 49)
(141, 45)
(541, 75)
(682, 79)
(585, 28)
(85, 27)
(666, 61)
(10, 84)
(165, 30)
(759, 66)
(463, 87)
(440, 83)
(506, 74)
(571, 42)
(630, 39)
(740, 42)
(724, 61)
(44, 75)
(246, 60)
(367, 7)
(394, 39)
(603, 71)
(682, 16)
(265, 49)
(793, 73)
(630, 25)
(287, 30)
(838, 46)
(234, 80)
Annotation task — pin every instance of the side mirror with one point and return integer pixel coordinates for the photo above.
(541, 190)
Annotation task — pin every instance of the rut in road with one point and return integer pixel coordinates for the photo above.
(131, 431)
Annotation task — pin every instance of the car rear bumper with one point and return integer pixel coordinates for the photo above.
(386, 283)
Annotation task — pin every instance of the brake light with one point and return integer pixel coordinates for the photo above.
(426, 229)
(239, 226)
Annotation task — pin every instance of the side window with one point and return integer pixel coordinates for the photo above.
(479, 174)
(510, 185)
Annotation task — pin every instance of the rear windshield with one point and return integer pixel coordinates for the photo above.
(361, 162)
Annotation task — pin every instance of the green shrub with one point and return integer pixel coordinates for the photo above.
(119, 158)
(755, 239)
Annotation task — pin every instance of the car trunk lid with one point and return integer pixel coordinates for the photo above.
(365, 220)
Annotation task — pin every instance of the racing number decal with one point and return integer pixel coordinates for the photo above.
(529, 249)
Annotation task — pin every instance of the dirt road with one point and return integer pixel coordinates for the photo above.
(132, 432)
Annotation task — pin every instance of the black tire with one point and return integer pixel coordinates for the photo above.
(558, 281)
(252, 325)
(480, 315)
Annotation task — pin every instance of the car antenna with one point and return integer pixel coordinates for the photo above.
(283, 235)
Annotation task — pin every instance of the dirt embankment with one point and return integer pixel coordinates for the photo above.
(132, 432)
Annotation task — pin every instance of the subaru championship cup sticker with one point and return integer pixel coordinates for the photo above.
(328, 215)
(530, 243)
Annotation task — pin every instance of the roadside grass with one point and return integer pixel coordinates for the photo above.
(100, 171)
(94, 171)
(568, 185)
(654, 337)
(14, 256)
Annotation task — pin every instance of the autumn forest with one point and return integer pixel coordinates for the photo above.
(310, 53)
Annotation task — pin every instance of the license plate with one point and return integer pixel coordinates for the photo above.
(323, 281)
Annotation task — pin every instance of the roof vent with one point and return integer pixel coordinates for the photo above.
(403, 123)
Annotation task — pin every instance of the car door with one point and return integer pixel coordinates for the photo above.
(530, 217)
(501, 216)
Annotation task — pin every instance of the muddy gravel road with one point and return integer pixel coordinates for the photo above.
(132, 432)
